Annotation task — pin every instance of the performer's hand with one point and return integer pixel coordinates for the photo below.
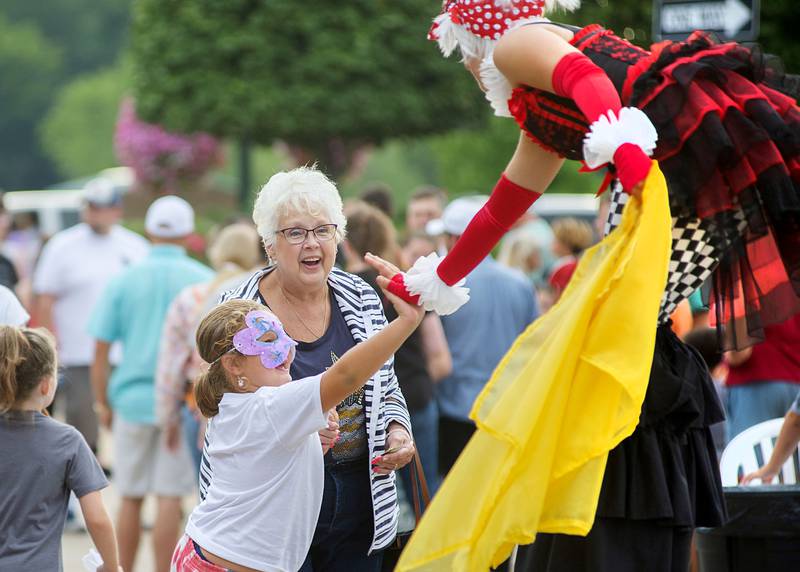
(633, 166)
(636, 191)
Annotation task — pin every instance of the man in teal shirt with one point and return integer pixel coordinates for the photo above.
(132, 310)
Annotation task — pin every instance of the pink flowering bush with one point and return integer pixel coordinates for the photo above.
(163, 162)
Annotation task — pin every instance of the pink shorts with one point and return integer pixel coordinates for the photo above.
(186, 559)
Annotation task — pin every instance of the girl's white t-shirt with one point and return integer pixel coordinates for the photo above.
(264, 499)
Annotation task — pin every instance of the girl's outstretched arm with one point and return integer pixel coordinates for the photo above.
(360, 362)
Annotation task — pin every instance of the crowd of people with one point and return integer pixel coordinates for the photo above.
(124, 312)
(125, 315)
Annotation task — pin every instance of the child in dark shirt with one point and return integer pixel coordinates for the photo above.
(43, 461)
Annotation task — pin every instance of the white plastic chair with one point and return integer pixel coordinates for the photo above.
(739, 457)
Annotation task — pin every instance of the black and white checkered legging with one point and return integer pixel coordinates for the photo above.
(692, 261)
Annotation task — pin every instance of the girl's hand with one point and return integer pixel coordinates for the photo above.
(391, 279)
(399, 451)
(387, 271)
(410, 312)
(385, 268)
(329, 436)
(765, 473)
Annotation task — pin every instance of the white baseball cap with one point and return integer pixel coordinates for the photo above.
(102, 192)
(460, 212)
(169, 217)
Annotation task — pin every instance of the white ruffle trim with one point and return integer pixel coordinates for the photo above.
(609, 132)
(434, 294)
(498, 89)
(450, 36)
(566, 5)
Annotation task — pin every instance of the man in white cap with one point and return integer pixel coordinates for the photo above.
(502, 304)
(75, 267)
(132, 311)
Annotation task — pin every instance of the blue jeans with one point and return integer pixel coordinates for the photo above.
(345, 526)
(191, 428)
(753, 403)
(425, 424)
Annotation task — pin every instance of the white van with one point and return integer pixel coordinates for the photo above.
(53, 210)
(582, 206)
(57, 209)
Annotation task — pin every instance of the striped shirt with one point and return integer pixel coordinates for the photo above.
(383, 400)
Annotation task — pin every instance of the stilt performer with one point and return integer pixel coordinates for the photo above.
(724, 127)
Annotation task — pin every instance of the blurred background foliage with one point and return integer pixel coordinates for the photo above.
(353, 85)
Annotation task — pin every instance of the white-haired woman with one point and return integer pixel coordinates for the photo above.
(299, 217)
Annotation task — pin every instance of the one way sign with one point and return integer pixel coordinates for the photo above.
(729, 19)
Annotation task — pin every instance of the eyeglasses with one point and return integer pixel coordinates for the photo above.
(297, 235)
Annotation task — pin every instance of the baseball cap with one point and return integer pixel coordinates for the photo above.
(169, 217)
(102, 192)
(460, 212)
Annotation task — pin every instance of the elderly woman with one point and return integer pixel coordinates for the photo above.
(327, 311)
(233, 253)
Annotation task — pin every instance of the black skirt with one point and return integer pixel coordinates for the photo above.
(659, 483)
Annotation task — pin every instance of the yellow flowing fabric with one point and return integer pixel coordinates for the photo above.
(567, 392)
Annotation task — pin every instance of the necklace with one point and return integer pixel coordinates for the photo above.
(297, 315)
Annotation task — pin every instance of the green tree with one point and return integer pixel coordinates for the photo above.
(780, 20)
(91, 34)
(78, 131)
(326, 77)
(28, 64)
(43, 46)
(631, 19)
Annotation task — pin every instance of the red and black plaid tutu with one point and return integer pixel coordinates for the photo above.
(729, 147)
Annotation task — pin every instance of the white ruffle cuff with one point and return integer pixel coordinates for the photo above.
(434, 294)
(609, 132)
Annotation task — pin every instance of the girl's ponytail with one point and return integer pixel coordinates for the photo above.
(208, 391)
(27, 356)
(10, 340)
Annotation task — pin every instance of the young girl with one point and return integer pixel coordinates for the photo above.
(43, 461)
(263, 501)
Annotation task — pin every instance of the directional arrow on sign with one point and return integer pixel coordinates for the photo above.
(736, 16)
(732, 19)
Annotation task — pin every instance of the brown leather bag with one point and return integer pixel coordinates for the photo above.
(420, 499)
